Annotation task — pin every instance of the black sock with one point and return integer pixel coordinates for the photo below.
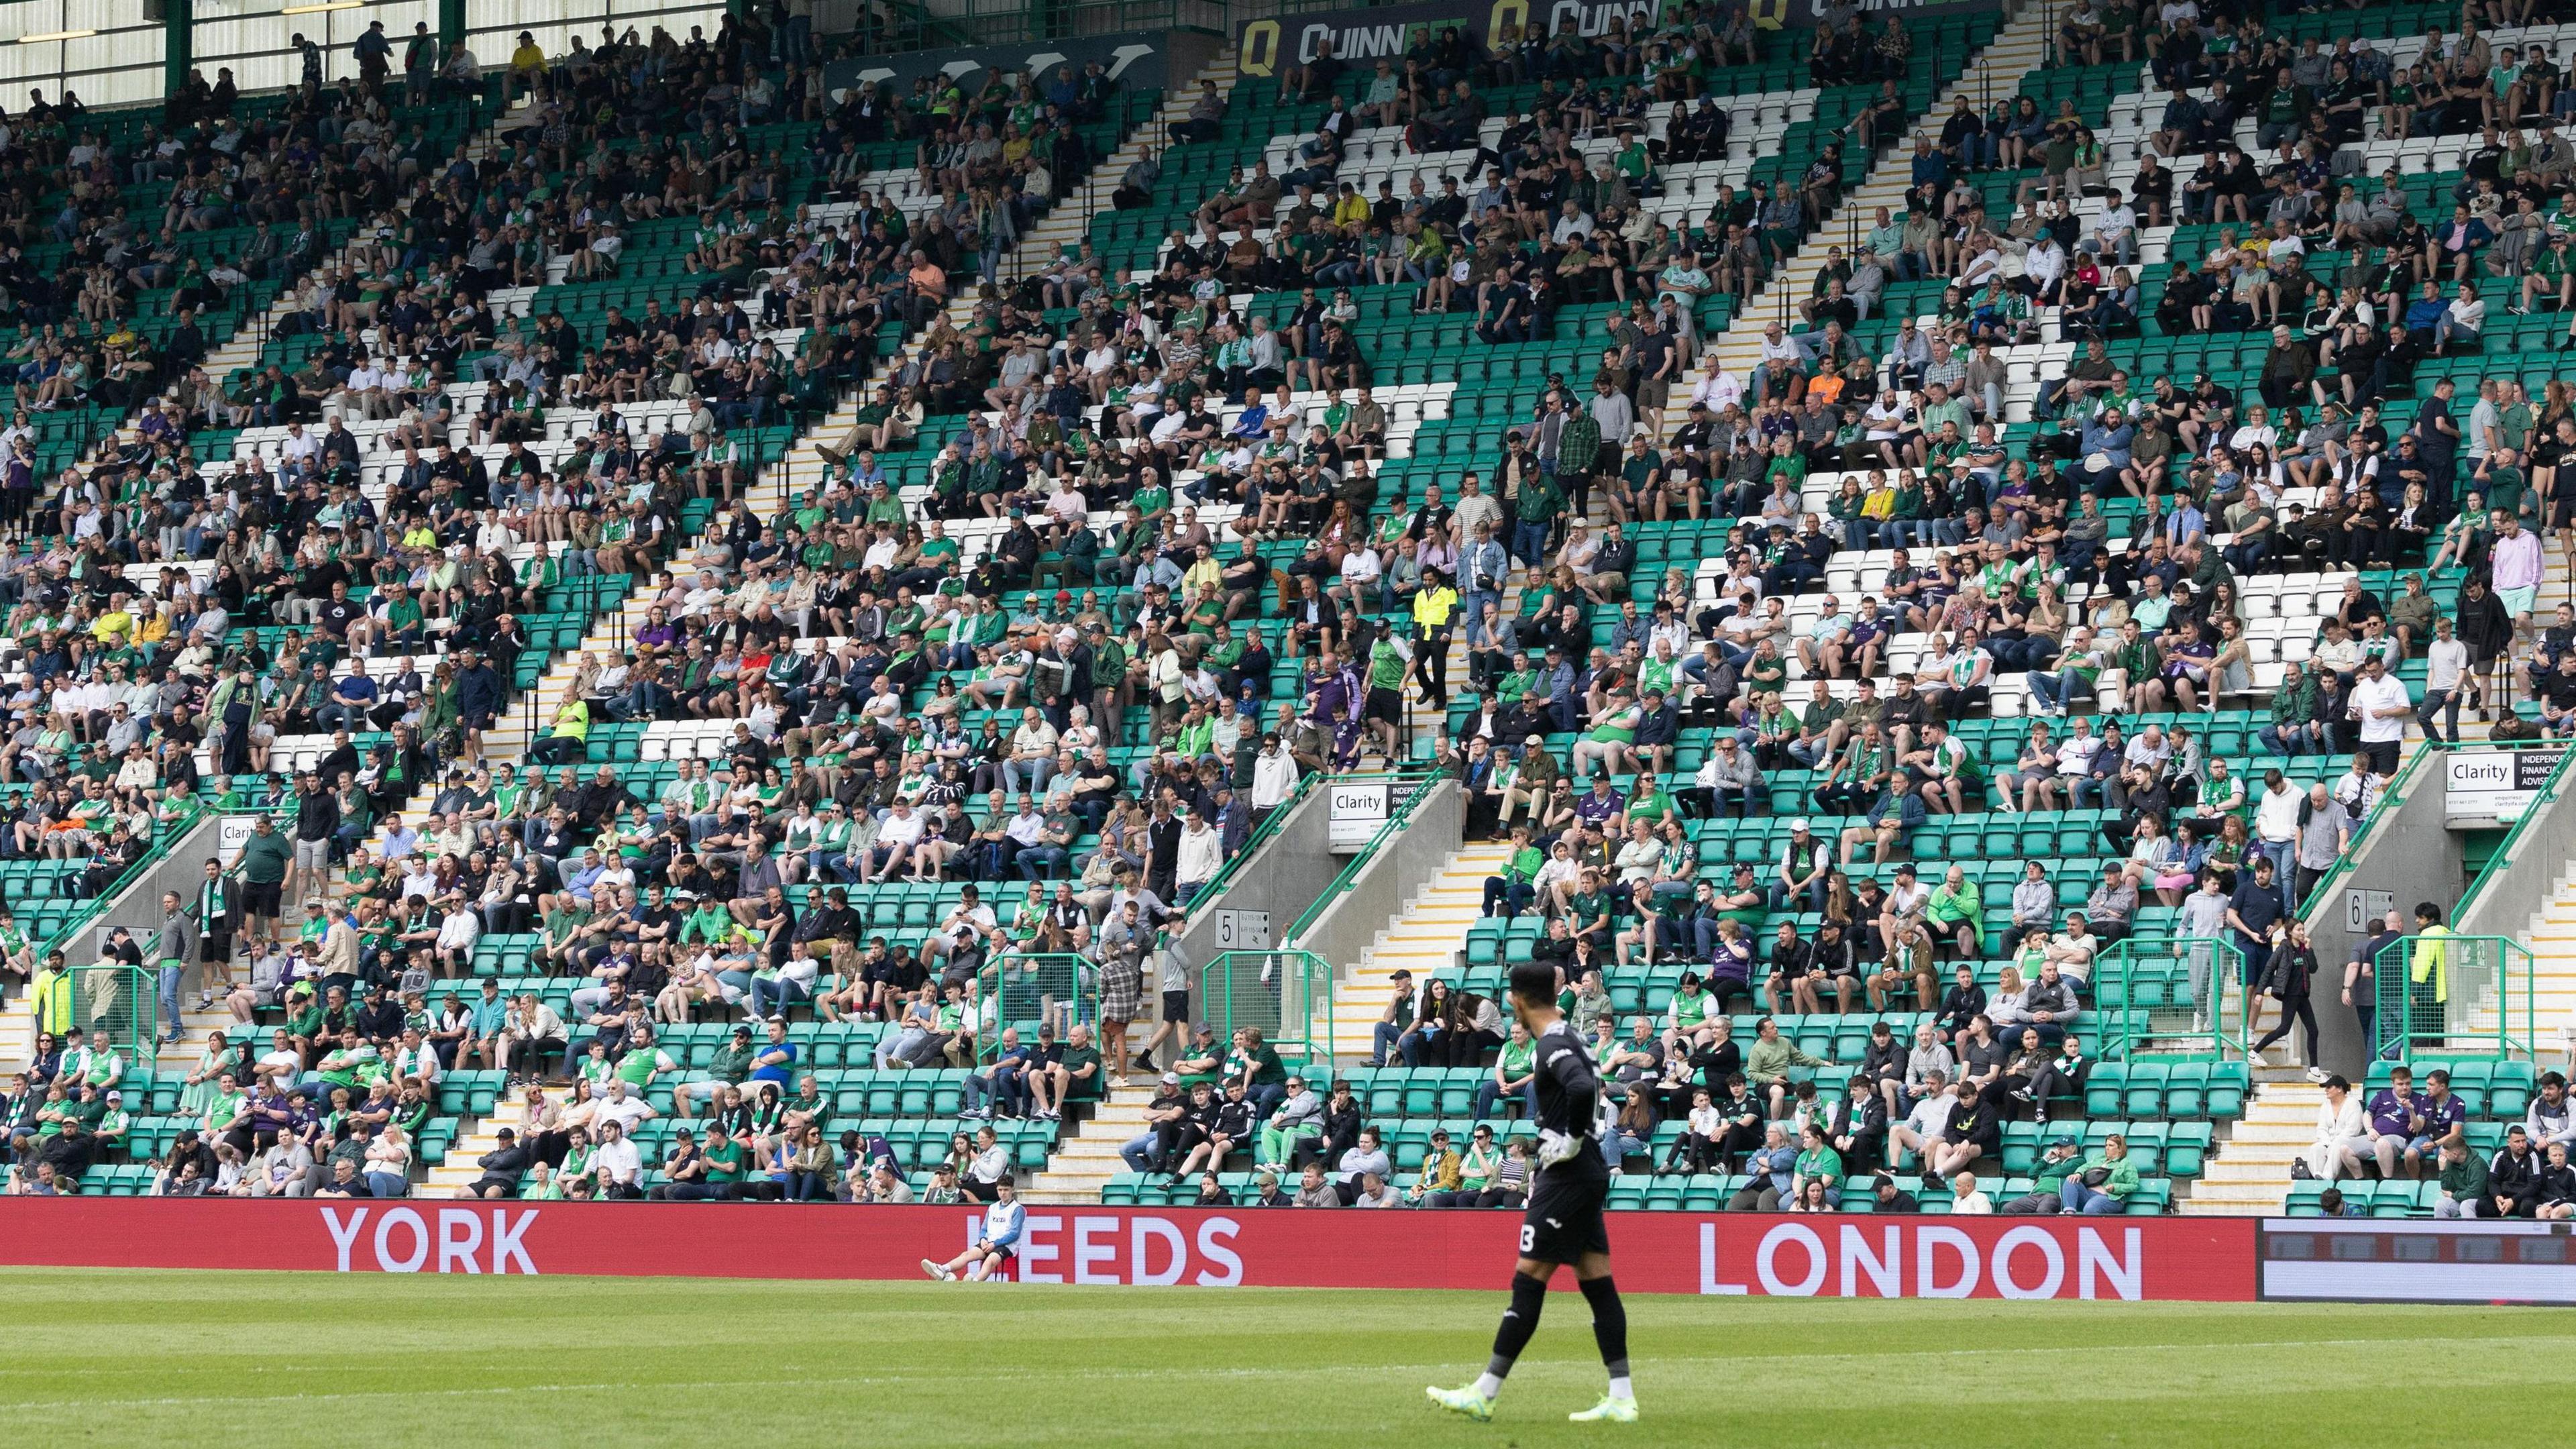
(1609, 1324)
(1529, 1295)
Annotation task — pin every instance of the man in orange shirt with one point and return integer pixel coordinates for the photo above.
(929, 285)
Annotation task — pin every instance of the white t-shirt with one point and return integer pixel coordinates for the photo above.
(2446, 661)
(2372, 695)
(625, 1111)
(617, 1161)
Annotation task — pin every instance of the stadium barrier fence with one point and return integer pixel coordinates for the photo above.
(1732, 1254)
(2101, 1259)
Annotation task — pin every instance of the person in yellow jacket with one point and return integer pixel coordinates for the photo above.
(49, 997)
(1434, 605)
(2428, 978)
(571, 737)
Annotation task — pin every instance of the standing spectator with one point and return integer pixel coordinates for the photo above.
(2325, 833)
(2382, 705)
(2289, 977)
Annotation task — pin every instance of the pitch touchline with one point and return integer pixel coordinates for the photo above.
(174, 1401)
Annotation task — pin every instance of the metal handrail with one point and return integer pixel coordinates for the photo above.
(1398, 816)
(2437, 1016)
(1261, 835)
(2131, 1024)
(164, 832)
(1084, 998)
(1036, 988)
(1286, 995)
(120, 1000)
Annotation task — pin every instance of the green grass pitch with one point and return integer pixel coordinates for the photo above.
(291, 1359)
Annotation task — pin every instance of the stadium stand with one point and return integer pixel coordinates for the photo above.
(1836, 623)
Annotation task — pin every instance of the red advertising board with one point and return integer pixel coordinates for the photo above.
(2115, 1258)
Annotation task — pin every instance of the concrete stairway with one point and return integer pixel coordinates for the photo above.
(1067, 222)
(2250, 1171)
(1425, 936)
(449, 1178)
(531, 717)
(243, 347)
(2551, 936)
(1085, 1161)
(2017, 49)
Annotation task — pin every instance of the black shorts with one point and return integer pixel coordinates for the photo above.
(1176, 1006)
(1564, 1219)
(215, 946)
(259, 898)
(1386, 705)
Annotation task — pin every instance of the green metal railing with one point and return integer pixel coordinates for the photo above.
(1027, 988)
(2474, 997)
(1402, 802)
(2158, 995)
(1031, 989)
(121, 1001)
(1286, 995)
(92, 907)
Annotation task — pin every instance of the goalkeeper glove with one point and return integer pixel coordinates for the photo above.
(1558, 1147)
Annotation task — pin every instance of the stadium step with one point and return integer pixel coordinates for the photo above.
(2020, 47)
(2250, 1170)
(1068, 222)
(1426, 936)
(1065, 224)
(479, 1136)
(1084, 1162)
(243, 348)
(2552, 938)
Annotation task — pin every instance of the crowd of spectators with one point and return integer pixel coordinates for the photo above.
(2004, 560)
(677, 904)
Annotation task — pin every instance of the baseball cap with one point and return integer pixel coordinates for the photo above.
(1171, 1079)
(1799, 826)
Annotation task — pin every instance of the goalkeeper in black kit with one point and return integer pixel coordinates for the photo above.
(1564, 1226)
